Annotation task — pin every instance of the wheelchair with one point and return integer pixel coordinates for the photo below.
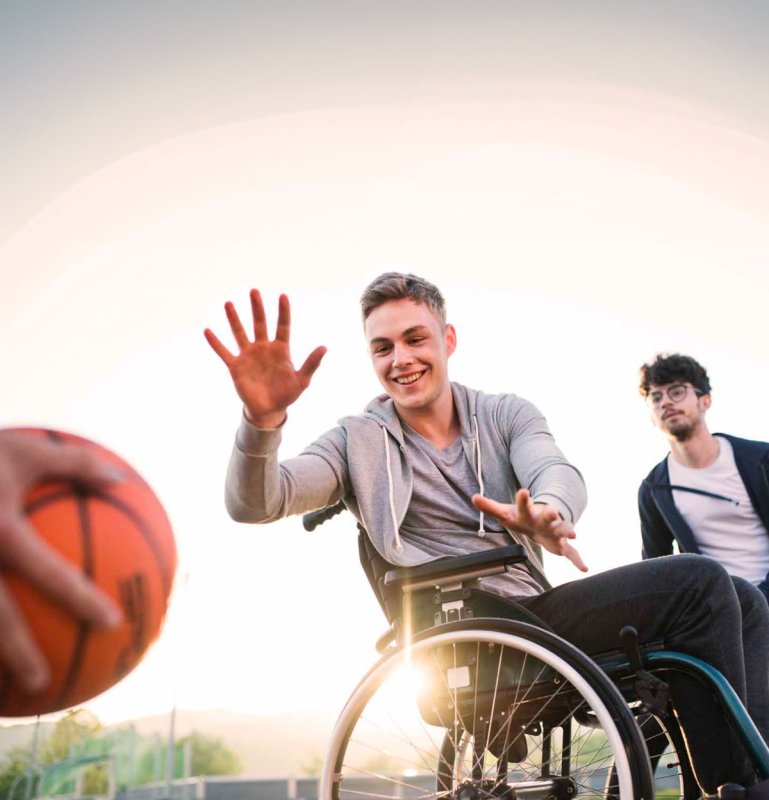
(474, 697)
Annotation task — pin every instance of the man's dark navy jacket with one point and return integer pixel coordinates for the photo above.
(662, 523)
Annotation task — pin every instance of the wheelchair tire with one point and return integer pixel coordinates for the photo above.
(511, 711)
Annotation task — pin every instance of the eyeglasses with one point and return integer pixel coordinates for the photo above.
(676, 393)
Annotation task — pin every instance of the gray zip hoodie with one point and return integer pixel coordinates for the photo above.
(363, 462)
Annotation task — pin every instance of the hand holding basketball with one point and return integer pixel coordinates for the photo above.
(88, 558)
(25, 462)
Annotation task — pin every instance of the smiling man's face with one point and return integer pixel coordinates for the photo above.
(410, 348)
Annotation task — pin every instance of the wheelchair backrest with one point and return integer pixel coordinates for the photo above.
(439, 591)
(443, 590)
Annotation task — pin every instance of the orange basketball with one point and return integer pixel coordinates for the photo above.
(120, 537)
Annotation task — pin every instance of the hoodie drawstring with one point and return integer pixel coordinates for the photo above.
(481, 529)
(398, 543)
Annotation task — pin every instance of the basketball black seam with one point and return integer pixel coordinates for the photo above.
(146, 533)
(44, 500)
(86, 533)
(83, 628)
(141, 524)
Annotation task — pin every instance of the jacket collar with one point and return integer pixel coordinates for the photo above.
(752, 460)
(658, 482)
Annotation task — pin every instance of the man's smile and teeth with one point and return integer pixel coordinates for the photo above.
(407, 380)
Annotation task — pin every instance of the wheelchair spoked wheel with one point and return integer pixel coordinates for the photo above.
(673, 775)
(469, 712)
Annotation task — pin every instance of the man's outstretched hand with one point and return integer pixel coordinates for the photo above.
(262, 371)
(540, 522)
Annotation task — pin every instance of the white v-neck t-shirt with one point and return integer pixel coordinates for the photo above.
(725, 525)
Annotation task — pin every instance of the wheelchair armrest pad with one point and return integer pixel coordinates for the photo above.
(457, 566)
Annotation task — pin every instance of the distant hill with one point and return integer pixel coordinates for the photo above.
(270, 746)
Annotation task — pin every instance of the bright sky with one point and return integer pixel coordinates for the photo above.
(586, 188)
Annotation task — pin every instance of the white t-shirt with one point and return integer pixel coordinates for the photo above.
(725, 525)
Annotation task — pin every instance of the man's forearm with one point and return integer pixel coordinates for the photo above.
(561, 486)
(260, 488)
(252, 487)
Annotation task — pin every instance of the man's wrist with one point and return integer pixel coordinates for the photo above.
(554, 502)
(265, 422)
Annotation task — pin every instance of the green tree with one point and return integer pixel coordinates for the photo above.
(73, 729)
(151, 766)
(312, 765)
(14, 764)
(95, 780)
(210, 756)
(76, 736)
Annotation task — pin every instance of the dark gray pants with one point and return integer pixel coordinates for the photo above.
(691, 604)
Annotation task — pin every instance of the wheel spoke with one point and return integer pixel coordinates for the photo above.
(388, 779)
(504, 706)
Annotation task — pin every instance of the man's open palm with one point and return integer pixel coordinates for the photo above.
(262, 371)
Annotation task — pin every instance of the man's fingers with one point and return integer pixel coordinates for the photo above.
(500, 511)
(283, 330)
(73, 462)
(257, 312)
(573, 556)
(26, 554)
(562, 528)
(236, 326)
(554, 535)
(218, 347)
(18, 650)
(33, 460)
(311, 363)
(523, 504)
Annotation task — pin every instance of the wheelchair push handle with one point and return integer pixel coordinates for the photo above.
(312, 519)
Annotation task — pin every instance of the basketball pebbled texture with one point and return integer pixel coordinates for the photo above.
(121, 538)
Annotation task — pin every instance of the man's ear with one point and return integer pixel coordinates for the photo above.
(450, 335)
(706, 400)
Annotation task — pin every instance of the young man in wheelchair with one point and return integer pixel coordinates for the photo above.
(433, 468)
